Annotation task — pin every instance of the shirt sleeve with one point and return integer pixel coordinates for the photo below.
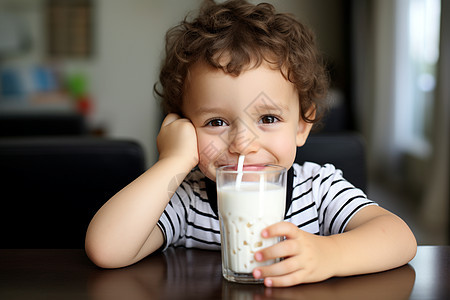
(173, 220)
(337, 200)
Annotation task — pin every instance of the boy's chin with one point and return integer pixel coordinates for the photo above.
(208, 172)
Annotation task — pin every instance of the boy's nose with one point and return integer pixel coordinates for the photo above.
(242, 140)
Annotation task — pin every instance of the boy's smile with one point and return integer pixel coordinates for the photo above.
(256, 114)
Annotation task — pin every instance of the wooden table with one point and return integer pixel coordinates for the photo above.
(196, 274)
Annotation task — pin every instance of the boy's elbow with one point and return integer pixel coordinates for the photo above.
(412, 246)
(97, 256)
(409, 244)
(102, 256)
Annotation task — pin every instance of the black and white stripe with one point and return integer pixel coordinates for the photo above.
(322, 203)
(188, 219)
(325, 201)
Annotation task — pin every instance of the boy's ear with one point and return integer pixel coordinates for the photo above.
(304, 128)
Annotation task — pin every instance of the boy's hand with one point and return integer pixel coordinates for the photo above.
(177, 139)
(307, 257)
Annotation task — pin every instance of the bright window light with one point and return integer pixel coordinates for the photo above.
(424, 21)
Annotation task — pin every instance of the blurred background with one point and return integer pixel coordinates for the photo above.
(389, 63)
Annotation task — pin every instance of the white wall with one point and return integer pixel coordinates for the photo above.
(130, 41)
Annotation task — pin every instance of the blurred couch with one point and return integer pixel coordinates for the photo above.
(51, 187)
(13, 124)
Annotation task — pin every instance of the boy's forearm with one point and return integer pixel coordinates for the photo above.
(122, 228)
(383, 242)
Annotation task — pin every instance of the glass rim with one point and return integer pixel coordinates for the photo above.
(276, 169)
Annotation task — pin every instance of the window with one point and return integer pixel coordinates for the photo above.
(418, 74)
(69, 28)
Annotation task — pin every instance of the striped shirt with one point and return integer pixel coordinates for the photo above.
(319, 201)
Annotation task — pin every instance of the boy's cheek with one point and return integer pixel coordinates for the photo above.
(210, 149)
(208, 153)
(206, 144)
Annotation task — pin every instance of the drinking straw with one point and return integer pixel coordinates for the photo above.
(240, 173)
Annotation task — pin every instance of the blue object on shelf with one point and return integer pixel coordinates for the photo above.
(11, 83)
(44, 79)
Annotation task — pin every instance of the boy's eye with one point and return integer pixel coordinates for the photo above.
(268, 119)
(216, 122)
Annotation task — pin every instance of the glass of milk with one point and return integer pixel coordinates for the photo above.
(249, 200)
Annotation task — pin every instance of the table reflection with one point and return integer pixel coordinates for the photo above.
(395, 284)
(181, 274)
(174, 274)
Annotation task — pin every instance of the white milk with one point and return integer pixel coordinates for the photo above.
(244, 213)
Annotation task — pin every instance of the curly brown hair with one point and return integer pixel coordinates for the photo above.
(246, 35)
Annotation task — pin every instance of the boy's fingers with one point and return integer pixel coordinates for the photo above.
(286, 229)
(169, 119)
(286, 266)
(284, 249)
(286, 280)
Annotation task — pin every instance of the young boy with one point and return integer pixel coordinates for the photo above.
(241, 79)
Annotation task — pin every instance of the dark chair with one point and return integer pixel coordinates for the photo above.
(52, 187)
(42, 124)
(346, 151)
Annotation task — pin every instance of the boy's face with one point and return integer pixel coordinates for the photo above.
(255, 114)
